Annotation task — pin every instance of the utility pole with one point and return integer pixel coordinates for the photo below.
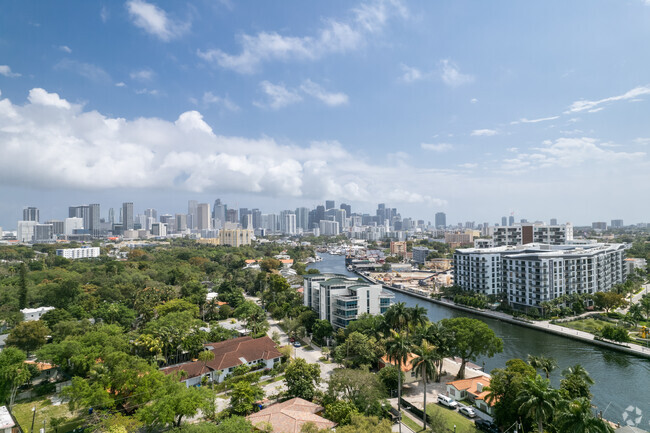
(31, 430)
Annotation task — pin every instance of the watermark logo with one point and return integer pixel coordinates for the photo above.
(632, 416)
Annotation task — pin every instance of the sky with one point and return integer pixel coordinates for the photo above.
(478, 109)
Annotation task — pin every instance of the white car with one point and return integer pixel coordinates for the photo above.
(447, 401)
(467, 411)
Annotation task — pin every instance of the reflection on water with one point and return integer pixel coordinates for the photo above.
(621, 380)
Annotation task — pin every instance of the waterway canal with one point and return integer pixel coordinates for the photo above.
(622, 380)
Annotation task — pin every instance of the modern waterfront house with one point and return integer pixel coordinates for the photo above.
(340, 299)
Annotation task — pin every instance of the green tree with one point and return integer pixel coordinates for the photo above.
(358, 350)
(243, 396)
(13, 373)
(575, 416)
(365, 424)
(543, 363)
(537, 400)
(28, 336)
(424, 365)
(234, 424)
(440, 337)
(645, 304)
(360, 387)
(301, 378)
(397, 316)
(576, 382)
(22, 296)
(173, 401)
(388, 377)
(608, 300)
(471, 338)
(504, 387)
(398, 348)
(322, 329)
(340, 411)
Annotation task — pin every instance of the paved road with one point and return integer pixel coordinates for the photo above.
(311, 356)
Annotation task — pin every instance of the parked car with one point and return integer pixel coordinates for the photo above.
(447, 401)
(467, 411)
(296, 344)
(486, 426)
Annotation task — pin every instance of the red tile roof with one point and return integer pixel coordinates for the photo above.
(291, 415)
(471, 386)
(230, 353)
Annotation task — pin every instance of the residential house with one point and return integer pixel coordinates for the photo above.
(290, 416)
(255, 353)
(407, 367)
(46, 371)
(7, 422)
(472, 389)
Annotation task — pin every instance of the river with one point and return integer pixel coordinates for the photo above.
(621, 380)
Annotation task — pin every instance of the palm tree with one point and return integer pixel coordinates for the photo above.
(537, 400)
(424, 364)
(635, 313)
(397, 316)
(575, 416)
(440, 337)
(417, 315)
(547, 365)
(576, 379)
(398, 348)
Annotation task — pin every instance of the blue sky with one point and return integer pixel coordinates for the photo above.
(474, 108)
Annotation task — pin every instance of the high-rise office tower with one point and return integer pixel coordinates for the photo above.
(504, 221)
(192, 214)
(111, 216)
(127, 216)
(94, 219)
(219, 211)
(231, 216)
(203, 216)
(511, 220)
(31, 214)
(151, 213)
(82, 212)
(181, 222)
(302, 218)
(243, 217)
(553, 221)
(441, 220)
(320, 214)
(329, 204)
(257, 218)
(347, 208)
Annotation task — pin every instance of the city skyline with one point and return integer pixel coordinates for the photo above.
(434, 220)
(426, 107)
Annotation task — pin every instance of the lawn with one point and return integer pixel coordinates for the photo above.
(451, 418)
(592, 326)
(416, 427)
(45, 411)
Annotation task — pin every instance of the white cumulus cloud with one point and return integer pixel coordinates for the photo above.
(334, 37)
(437, 147)
(6, 71)
(87, 150)
(484, 132)
(155, 21)
(278, 96)
(451, 75)
(329, 98)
